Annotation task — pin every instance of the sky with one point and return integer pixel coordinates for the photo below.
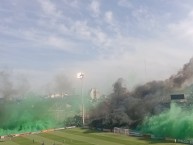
(137, 40)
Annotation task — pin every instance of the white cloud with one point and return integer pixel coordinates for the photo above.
(37, 38)
(183, 29)
(95, 36)
(125, 3)
(81, 28)
(109, 17)
(59, 43)
(95, 8)
(49, 8)
(74, 3)
(145, 19)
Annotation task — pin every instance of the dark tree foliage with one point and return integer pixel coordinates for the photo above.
(73, 121)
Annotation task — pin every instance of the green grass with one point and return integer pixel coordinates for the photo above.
(78, 136)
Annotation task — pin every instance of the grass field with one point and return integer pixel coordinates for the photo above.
(79, 136)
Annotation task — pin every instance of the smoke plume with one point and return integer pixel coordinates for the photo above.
(143, 102)
(11, 88)
(23, 111)
(60, 84)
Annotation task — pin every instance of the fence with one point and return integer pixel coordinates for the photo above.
(121, 131)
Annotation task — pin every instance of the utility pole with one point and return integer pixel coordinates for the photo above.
(80, 76)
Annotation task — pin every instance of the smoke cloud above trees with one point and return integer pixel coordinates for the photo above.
(129, 108)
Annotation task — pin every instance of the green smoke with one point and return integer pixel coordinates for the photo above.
(35, 113)
(27, 115)
(177, 122)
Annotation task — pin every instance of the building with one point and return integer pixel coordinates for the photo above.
(57, 95)
(179, 99)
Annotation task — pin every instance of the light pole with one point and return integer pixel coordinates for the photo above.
(80, 76)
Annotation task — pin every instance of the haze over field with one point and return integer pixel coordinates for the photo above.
(45, 43)
(134, 39)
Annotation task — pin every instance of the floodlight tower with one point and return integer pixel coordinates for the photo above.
(80, 76)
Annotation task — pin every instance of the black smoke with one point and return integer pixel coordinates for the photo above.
(129, 108)
(12, 86)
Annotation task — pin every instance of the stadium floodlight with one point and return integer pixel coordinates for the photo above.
(80, 76)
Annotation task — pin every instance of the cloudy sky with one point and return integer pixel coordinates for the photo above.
(138, 40)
